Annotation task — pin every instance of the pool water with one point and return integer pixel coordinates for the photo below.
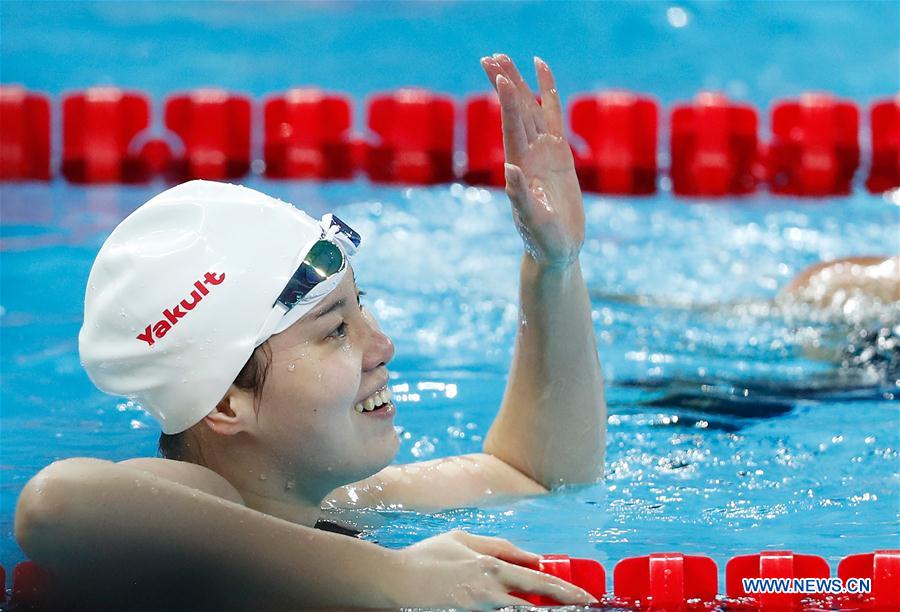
(724, 437)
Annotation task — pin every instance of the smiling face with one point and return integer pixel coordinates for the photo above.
(321, 368)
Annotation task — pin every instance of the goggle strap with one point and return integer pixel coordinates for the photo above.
(270, 324)
(335, 229)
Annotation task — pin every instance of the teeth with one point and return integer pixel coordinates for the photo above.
(379, 398)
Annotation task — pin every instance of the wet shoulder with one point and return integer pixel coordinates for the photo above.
(188, 474)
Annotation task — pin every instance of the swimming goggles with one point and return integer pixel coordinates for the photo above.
(317, 275)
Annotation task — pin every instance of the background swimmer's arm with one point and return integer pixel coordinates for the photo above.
(552, 423)
(830, 283)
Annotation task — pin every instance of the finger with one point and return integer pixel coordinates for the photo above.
(524, 116)
(531, 131)
(523, 580)
(492, 69)
(533, 110)
(500, 548)
(515, 139)
(509, 600)
(526, 96)
(550, 103)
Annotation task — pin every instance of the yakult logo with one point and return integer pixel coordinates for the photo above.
(172, 315)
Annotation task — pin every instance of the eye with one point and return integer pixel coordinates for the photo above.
(339, 332)
(359, 294)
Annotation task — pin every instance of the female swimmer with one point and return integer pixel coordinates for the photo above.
(233, 319)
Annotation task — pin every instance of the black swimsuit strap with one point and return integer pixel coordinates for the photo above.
(336, 528)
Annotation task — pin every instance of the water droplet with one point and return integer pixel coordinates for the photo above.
(289, 485)
(262, 476)
(291, 367)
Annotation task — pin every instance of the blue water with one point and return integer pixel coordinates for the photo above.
(724, 438)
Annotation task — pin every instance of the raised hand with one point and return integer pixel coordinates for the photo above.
(540, 171)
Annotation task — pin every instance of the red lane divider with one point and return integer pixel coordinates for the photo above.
(28, 583)
(772, 564)
(815, 146)
(214, 127)
(620, 130)
(99, 125)
(484, 142)
(885, 126)
(666, 580)
(585, 573)
(307, 135)
(881, 567)
(715, 150)
(415, 130)
(24, 135)
(714, 147)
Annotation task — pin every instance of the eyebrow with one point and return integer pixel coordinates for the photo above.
(338, 304)
(335, 306)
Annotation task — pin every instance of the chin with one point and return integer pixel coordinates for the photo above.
(380, 455)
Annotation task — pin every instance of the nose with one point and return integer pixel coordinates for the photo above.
(379, 348)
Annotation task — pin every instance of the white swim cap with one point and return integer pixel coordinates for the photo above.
(183, 291)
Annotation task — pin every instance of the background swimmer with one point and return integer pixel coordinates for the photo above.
(845, 312)
(856, 303)
(830, 284)
(288, 434)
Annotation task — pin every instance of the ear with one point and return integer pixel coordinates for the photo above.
(233, 414)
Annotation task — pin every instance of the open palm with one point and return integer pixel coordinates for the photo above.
(540, 171)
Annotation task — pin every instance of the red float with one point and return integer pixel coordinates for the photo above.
(28, 583)
(99, 126)
(155, 156)
(815, 146)
(24, 135)
(307, 135)
(484, 142)
(881, 567)
(214, 127)
(666, 580)
(415, 130)
(620, 131)
(772, 564)
(884, 122)
(714, 147)
(585, 573)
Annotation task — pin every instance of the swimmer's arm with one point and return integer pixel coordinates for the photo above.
(436, 484)
(552, 422)
(832, 282)
(551, 428)
(95, 524)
